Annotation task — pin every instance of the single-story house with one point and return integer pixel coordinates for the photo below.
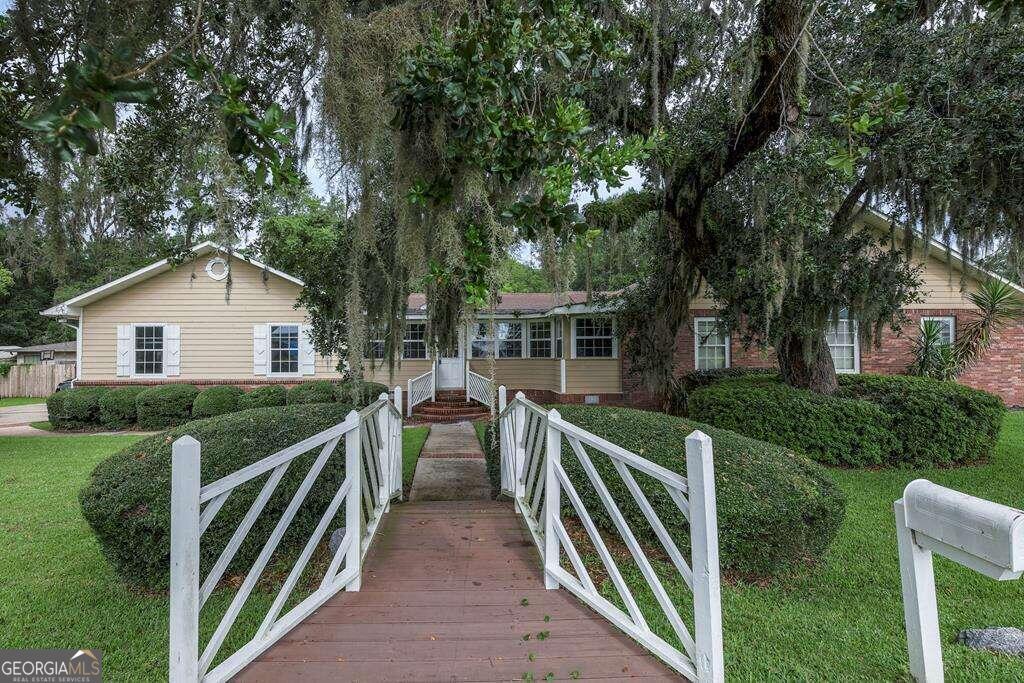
(182, 324)
(63, 353)
(8, 352)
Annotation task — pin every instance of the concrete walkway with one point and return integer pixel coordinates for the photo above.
(15, 416)
(451, 465)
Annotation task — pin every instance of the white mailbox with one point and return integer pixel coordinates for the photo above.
(977, 533)
(985, 536)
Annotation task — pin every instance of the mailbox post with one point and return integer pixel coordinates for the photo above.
(979, 534)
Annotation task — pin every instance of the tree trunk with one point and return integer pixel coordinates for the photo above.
(805, 363)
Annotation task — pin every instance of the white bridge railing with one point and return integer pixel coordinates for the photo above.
(479, 388)
(420, 389)
(372, 467)
(531, 445)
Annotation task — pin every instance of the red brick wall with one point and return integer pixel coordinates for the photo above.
(1001, 370)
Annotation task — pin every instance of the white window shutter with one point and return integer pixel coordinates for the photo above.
(260, 362)
(124, 350)
(307, 362)
(172, 350)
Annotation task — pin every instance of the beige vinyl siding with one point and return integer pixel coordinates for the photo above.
(593, 376)
(521, 373)
(941, 286)
(216, 327)
(403, 373)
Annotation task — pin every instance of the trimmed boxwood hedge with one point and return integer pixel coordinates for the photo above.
(263, 397)
(934, 422)
(872, 420)
(166, 405)
(316, 391)
(831, 430)
(127, 498)
(117, 407)
(216, 401)
(360, 393)
(776, 509)
(76, 408)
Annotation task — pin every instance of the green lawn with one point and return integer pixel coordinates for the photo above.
(412, 443)
(20, 401)
(840, 621)
(844, 619)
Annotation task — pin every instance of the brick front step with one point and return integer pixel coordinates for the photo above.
(419, 419)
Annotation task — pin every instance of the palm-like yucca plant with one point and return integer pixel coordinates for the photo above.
(933, 357)
(998, 306)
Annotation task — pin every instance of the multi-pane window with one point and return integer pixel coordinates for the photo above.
(284, 349)
(509, 339)
(375, 349)
(712, 344)
(540, 339)
(946, 324)
(841, 335)
(414, 345)
(595, 338)
(483, 342)
(149, 349)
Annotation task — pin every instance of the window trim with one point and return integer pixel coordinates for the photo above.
(550, 339)
(951, 319)
(426, 346)
(696, 342)
(573, 336)
(270, 350)
(856, 347)
(163, 364)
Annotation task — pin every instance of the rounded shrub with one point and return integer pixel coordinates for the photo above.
(316, 391)
(165, 405)
(216, 401)
(77, 408)
(829, 429)
(358, 392)
(127, 498)
(263, 397)
(117, 407)
(776, 509)
(933, 422)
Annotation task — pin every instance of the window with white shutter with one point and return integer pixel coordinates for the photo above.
(260, 366)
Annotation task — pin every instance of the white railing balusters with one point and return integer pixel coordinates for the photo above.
(420, 389)
(531, 452)
(480, 389)
(372, 477)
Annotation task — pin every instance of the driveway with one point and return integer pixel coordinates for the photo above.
(14, 416)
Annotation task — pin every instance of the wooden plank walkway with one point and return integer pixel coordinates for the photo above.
(449, 591)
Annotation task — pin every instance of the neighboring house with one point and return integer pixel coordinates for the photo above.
(7, 353)
(183, 324)
(63, 353)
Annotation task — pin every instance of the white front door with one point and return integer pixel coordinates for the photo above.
(451, 370)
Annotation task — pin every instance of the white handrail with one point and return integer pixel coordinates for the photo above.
(373, 457)
(480, 389)
(532, 453)
(420, 389)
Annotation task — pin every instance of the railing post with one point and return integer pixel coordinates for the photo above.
(398, 399)
(408, 399)
(502, 398)
(920, 608)
(397, 474)
(707, 593)
(519, 447)
(433, 382)
(353, 513)
(504, 450)
(552, 500)
(388, 447)
(184, 595)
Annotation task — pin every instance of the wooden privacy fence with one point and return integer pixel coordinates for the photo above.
(531, 440)
(38, 379)
(372, 455)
